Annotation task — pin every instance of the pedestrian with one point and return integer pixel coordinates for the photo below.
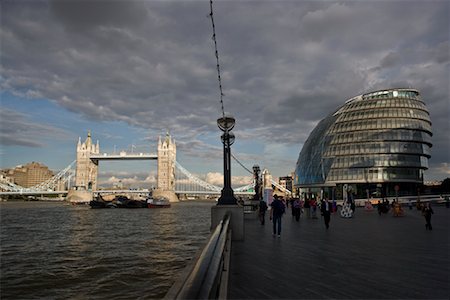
(276, 213)
(352, 203)
(379, 207)
(325, 209)
(313, 205)
(307, 207)
(447, 201)
(292, 207)
(427, 211)
(262, 211)
(410, 204)
(334, 206)
(296, 209)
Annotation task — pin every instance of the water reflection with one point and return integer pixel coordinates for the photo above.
(54, 250)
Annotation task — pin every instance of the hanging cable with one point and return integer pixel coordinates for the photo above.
(214, 38)
(241, 163)
(211, 15)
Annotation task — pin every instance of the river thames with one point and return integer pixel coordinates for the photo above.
(59, 251)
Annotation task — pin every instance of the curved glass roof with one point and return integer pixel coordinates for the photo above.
(381, 136)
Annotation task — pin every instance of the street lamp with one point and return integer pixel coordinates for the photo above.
(226, 124)
(256, 171)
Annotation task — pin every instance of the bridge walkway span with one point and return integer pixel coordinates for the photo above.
(369, 256)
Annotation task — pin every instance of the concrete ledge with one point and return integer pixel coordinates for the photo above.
(236, 221)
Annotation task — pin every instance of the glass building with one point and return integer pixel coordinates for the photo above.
(376, 142)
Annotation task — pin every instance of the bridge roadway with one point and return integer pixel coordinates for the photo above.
(367, 257)
(124, 156)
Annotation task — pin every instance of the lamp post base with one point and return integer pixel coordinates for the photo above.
(227, 197)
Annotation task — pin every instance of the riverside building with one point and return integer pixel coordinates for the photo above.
(30, 174)
(378, 143)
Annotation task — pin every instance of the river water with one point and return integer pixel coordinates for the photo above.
(59, 251)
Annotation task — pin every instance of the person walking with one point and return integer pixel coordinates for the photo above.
(276, 213)
(325, 209)
(262, 211)
(292, 207)
(427, 211)
(296, 209)
(313, 205)
(352, 203)
(307, 207)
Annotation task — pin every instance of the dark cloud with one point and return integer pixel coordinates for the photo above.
(286, 64)
(86, 14)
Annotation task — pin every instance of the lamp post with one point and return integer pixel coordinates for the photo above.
(256, 171)
(226, 124)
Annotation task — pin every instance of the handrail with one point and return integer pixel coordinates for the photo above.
(204, 280)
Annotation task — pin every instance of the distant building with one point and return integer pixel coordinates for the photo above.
(377, 143)
(30, 174)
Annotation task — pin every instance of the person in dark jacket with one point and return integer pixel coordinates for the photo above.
(427, 211)
(262, 211)
(325, 209)
(276, 213)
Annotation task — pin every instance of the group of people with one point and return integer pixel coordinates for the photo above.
(279, 205)
(384, 207)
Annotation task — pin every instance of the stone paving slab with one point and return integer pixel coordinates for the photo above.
(366, 257)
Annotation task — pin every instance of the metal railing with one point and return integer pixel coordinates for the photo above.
(205, 281)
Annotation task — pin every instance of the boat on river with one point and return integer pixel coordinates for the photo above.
(119, 201)
(158, 203)
(98, 202)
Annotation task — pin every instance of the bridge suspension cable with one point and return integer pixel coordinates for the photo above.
(201, 183)
(194, 184)
(51, 183)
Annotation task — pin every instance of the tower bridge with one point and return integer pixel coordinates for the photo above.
(89, 156)
(172, 178)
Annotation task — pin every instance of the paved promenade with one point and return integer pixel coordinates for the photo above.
(367, 257)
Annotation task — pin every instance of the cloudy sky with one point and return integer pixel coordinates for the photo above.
(131, 70)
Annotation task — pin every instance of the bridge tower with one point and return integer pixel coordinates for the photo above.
(167, 153)
(87, 170)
